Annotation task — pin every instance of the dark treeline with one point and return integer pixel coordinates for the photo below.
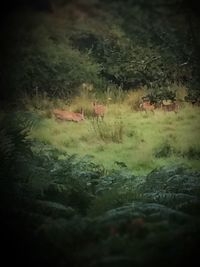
(55, 46)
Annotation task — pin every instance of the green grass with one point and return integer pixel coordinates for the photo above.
(142, 141)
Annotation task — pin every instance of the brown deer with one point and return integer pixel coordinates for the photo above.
(147, 106)
(68, 115)
(98, 110)
(170, 107)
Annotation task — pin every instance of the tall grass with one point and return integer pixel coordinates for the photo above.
(109, 132)
(40, 101)
(142, 141)
(133, 98)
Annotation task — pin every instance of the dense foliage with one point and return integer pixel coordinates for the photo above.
(58, 209)
(55, 46)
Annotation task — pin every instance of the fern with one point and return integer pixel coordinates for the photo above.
(54, 195)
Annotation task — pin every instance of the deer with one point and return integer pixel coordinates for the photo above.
(98, 110)
(68, 115)
(170, 107)
(147, 106)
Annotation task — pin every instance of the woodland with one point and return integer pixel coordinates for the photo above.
(117, 189)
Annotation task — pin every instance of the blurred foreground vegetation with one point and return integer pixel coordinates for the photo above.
(65, 210)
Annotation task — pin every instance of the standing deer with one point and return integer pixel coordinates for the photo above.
(68, 115)
(98, 110)
(170, 107)
(145, 106)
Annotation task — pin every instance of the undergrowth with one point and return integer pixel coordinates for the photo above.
(65, 209)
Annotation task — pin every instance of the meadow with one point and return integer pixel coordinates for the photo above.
(126, 137)
(122, 191)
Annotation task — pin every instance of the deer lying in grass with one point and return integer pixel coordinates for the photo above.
(98, 110)
(68, 115)
(147, 106)
(170, 107)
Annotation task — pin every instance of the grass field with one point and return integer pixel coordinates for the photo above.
(75, 212)
(126, 137)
